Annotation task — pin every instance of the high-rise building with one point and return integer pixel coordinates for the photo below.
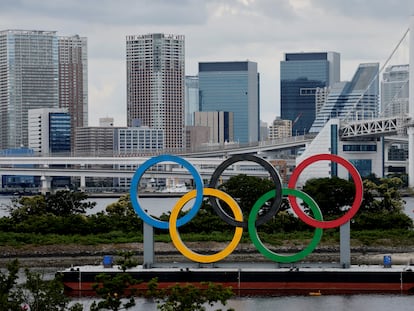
(155, 84)
(232, 87)
(110, 140)
(301, 74)
(191, 99)
(38, 69)
(49, 134)
(49, 131)
(220, 123)
(394, 102)
(357, 99)
(264, 131)
(94, 141)
(280, 129)
(394, 90)
(196, 137)
(138, 140)
(29, 72)
(73, 79)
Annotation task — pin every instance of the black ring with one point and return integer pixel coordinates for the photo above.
(274, 175)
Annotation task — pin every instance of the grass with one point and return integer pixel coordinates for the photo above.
(20, 239)
(380, 238)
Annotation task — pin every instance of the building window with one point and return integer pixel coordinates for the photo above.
(364, 167)
(359, 148)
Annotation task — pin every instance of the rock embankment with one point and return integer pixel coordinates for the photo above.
(62, 256)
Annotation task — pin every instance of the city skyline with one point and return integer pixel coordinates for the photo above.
(260, 31)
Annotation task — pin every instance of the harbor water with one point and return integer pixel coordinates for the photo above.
(156, 205)
(298, 303)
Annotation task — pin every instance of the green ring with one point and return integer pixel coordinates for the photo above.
(259, 244)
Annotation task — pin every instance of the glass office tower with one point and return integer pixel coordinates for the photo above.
(28, 80)
(49, 131)
(356, 99)
(60, 133)
(232, 87)
(394, 90)
(191, 99)
(301, 74)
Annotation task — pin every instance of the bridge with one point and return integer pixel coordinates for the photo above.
(124, 167)
(115, 167)
(375, 127)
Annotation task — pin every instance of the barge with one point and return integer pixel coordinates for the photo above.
(259, 280)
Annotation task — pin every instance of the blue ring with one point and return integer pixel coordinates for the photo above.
(156, 223)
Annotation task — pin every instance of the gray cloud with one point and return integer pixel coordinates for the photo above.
(258, 30)
(121, 12)
(274, 9)
(378, 9)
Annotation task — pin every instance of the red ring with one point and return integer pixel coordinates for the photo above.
(358, 192)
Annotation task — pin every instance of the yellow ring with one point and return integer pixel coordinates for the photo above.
(176, 239)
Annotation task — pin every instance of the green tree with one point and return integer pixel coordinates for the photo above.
(9, 298)
(25, 207)
(66, 202)
(113, 289)
(383, 195)
(61, 203)
(189, 297)
(126, 260)
(43, 295)
(37, 294)
(205, 222)
(123, 216)
(382, 206)
(121, 208)
(332, 195)
(246, 190)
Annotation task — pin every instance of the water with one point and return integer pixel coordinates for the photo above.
(368, 302)
(409, 206)
(298, 303)
(155, 206)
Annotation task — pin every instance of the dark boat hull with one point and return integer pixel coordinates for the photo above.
(262, 281)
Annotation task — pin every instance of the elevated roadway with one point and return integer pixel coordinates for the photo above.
(205, 161)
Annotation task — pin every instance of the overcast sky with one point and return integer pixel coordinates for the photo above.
(217, 30)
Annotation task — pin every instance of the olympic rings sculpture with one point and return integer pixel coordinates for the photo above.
(253, 219)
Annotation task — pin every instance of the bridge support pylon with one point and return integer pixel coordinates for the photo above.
(46, 184)
(345, 245)
(82, 183)
(410, 129)
(148, 246)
